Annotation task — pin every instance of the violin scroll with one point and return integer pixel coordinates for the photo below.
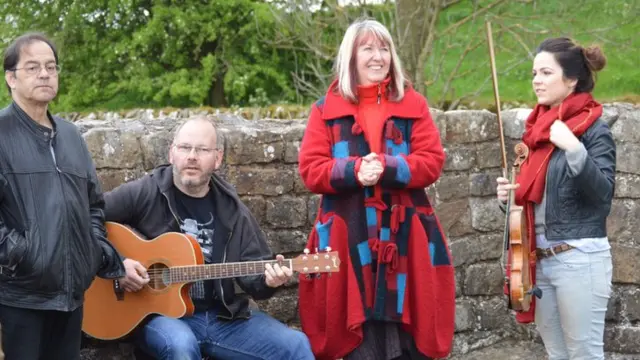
(522, 152)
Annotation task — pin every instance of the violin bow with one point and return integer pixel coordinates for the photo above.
(494, 76)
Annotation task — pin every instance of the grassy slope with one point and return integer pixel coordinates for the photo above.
(578, 19)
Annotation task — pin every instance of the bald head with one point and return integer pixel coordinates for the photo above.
(195, 154)
(203, 123)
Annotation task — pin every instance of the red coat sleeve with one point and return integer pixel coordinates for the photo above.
(425, 161)
(323, 167)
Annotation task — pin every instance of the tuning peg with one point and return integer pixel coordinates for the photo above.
(306, 251)
(328, 248)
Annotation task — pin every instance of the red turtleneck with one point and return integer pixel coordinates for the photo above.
(371, 113)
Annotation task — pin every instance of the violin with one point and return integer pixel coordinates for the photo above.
(519, 282)
(518, 277)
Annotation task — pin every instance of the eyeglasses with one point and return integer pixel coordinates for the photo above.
(52, 69)
(186, 149)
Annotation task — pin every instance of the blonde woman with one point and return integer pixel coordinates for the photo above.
(370, 148)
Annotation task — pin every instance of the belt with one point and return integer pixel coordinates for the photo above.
(543, 253)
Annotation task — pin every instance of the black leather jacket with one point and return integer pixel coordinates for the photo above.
(578, 206)
(148, 206)
(52, 237)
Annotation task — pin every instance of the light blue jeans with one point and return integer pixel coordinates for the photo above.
(570, 315)
(261, 337)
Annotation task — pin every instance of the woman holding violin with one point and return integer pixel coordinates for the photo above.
(565, 187)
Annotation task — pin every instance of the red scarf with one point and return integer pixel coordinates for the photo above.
(578, 112)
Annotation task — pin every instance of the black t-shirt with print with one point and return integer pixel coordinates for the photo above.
(197, 219)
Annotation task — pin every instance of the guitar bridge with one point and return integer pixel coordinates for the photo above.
(118, 290)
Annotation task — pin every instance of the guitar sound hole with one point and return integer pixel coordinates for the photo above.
(158, 276)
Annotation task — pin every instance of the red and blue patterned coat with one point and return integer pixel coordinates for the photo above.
(395, 261)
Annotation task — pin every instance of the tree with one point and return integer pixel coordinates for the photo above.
(120, 54)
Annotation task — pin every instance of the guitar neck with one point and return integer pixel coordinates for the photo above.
(185, 274)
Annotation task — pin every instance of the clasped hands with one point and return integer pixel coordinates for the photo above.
(370, 170)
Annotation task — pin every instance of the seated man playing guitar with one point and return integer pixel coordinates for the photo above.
(188, 197)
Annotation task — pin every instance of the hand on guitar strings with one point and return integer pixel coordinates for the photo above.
(277, 275)
(370, 170)
(136, 276)
(503, 188)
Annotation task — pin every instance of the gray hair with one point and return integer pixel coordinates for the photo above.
(344, 66)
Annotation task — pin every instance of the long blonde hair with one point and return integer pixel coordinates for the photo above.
(345, 65)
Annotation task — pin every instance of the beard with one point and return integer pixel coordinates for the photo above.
(191, 183)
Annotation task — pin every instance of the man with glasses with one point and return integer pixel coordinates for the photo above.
(187, 196)
(52, 236)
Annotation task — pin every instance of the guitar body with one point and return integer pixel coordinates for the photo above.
(108, 317)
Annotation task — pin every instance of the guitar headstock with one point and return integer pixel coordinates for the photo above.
(321, 262)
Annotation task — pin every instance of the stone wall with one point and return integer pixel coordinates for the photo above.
(260, 160)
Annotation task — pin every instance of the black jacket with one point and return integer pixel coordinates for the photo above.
(147, 205)
(52, 236)
(578, 206)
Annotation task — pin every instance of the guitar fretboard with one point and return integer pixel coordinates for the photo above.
(181, 274)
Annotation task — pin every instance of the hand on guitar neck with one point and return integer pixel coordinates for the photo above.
(137, 277)
(277, 275)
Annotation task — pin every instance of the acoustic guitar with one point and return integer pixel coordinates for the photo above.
(173, 261)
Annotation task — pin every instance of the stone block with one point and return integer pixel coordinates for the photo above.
(286, 212)
(452, 186)
(459, 157)
(489, 155)
(248, 145)
(627, 186)
(292, 140)
(459, 282)
(476, 248)
(622, 223)
(468, 126)
(440, 119)
(625, 127)
(622, 339)
(630, 304)
(513, 121)
(483, 279)
(455, 217)
(465, 316)
(155, 148)
(626, 268)
(628, 158)
(257, 205)
(486, 214)
(255, 180)
(614, 306)
(113, 149)
(287, 241)
(484, 184)
(312, 208)
(112, 178)
(493, 314)
(298, 185)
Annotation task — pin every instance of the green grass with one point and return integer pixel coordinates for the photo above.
(612, 24)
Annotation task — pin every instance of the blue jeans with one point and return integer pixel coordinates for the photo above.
(570, 315)
(259, 337)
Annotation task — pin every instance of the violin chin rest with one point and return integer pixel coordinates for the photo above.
(536, 292)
